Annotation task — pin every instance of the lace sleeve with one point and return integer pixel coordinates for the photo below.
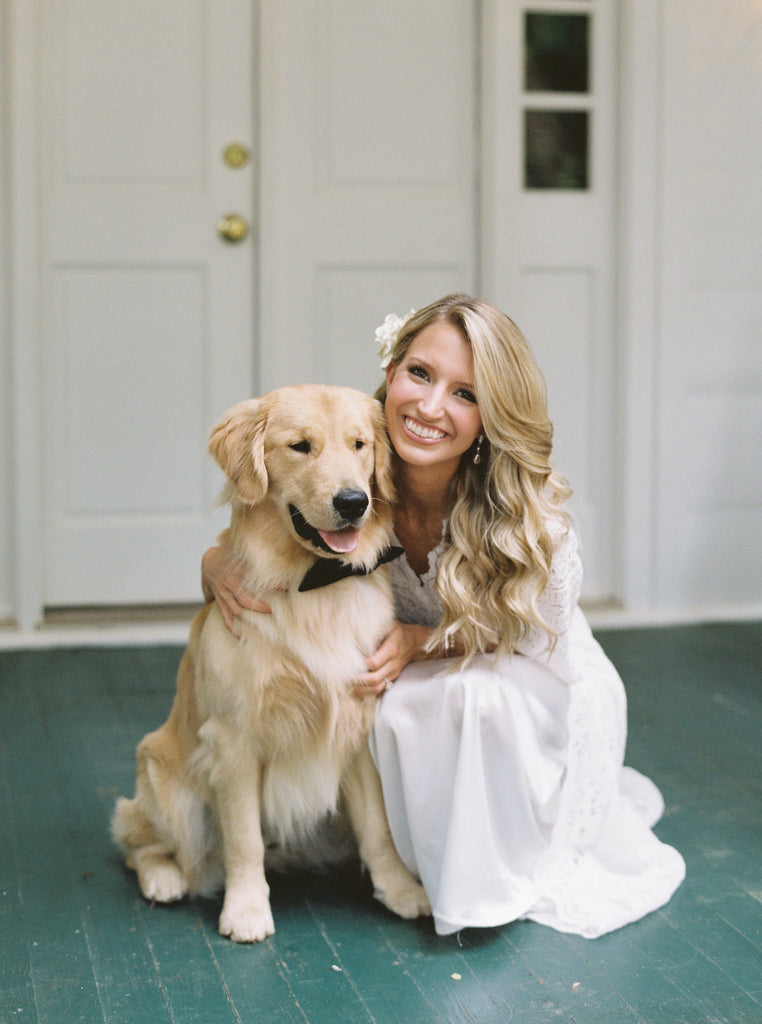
(557, 606)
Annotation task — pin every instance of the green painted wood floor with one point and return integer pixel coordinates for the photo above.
(78, 944)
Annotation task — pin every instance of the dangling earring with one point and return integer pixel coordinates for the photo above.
(478, 452)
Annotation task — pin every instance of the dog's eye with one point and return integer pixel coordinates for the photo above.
(301, 446)
(359, 444)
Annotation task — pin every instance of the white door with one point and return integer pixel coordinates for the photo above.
(550, 75)
(376, 152)
(147, 311)
(369, 173)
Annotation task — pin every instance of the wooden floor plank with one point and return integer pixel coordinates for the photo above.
(700, 729)
(308, 964)
(566, 970)
(126, 981)
(127, 978)
(457, 976)
(254, 982)
(702, 920)
(59, 958)
(720, 968)
(365, 955)
(16, 988)
(714, 995)
(176, 940)
(642, 981)
(741, 910)
(499, 965)
(76, 933)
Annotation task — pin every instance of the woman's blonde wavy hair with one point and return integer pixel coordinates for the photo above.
(496, 560)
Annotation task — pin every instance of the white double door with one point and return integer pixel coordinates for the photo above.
(359, 183)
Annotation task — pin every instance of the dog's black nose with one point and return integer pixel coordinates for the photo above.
(350, 504)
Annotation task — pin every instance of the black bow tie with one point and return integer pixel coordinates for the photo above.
(331, 570)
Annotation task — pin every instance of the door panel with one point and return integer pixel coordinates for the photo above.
(147, 311)
(368, 177)
(549, 231)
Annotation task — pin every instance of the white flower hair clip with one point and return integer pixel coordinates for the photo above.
(387, 334)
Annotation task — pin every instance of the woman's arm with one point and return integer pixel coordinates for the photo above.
(406, 642)
(222, 581)
(557, 604)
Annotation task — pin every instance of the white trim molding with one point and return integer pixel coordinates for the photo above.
(25, 321)
(640, 46)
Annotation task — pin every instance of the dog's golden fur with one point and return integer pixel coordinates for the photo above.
(266, 738)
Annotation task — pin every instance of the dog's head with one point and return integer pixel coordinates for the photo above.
(320, 454)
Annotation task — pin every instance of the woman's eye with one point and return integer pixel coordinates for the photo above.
(300, 446)
(418, 371)
(469, 396)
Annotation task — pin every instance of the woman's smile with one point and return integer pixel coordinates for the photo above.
(422, 431)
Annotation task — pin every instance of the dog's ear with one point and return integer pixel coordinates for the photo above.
(238, 445)
(382, 453)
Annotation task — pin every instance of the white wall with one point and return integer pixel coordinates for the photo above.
(707, 461)
(690, 392)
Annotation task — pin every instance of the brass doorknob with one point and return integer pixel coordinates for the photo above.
(236, 155)
(233, 227)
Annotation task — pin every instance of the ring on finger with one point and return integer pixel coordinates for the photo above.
(388, 684)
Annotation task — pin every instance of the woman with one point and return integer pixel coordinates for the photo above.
(500, 737)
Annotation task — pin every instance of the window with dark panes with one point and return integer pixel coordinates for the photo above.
(557, 99)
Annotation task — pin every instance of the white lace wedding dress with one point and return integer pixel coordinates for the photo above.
(504, 783)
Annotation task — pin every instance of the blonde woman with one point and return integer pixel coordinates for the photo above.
(500, 734)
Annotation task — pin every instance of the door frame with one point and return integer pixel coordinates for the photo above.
(28, 328)
(26, 325)
(639, 45)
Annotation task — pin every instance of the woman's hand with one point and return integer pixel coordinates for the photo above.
(222, 581)
(405, 643)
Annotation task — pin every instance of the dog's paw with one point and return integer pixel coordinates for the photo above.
(247, 923)
(162, 881)
(406, 898)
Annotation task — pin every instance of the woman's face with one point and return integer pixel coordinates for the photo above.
(431, 411)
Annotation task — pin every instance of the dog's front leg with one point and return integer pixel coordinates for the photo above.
(246, 914)
(394, 886)
(236, 784)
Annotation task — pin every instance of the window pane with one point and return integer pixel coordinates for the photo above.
(555, 149)
(556, 52)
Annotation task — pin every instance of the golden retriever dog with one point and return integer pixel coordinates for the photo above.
(266, 739)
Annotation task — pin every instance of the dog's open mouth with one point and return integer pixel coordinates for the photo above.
(337, 542)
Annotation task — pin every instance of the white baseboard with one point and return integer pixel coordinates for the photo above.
(601, 617)
(100, 633)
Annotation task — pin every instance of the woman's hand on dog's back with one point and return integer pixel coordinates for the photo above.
(222, 581)
(404, 643)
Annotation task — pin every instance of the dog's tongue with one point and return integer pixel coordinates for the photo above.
(341, 541)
